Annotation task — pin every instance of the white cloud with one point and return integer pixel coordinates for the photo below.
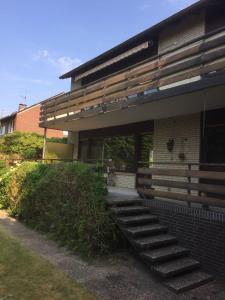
(63, 63)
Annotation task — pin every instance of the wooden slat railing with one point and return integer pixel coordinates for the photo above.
(150, 180)
(198, 57)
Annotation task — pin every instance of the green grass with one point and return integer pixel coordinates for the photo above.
(24, 275)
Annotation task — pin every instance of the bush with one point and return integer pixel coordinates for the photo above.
(23, 144)
(3, 168)
(67, 201)
(5, 181)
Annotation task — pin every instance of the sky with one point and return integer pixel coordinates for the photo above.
(40, 40)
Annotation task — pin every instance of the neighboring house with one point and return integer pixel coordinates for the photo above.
(166, 84)
(26, 119)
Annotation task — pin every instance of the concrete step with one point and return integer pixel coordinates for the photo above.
(143, 230)
(176, 266)
(165, 253)
(129, 210)
(124, 202)
(155, 241)
(188, 281)
(139, 219)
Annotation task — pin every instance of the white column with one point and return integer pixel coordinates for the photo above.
(73, 138)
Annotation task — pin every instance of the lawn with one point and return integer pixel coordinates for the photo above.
(24, 275)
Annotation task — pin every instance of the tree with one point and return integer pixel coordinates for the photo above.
(23, 144)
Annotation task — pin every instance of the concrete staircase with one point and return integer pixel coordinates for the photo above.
(159, 250)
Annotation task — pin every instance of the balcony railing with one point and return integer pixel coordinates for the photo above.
(199, 57)
(200, 183)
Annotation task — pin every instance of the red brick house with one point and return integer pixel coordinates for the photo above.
(26, 119)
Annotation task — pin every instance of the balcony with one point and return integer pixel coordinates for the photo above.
(202, 58)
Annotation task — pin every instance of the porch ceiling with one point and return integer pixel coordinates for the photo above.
(189, 103)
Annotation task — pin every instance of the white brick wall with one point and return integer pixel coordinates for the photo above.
(184, 31)
(124, 180)
(185, 131)
(73, 138)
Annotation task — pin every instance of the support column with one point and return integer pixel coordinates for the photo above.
(73, 138)
(44, 145)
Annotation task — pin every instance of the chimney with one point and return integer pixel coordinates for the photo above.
(22, 106)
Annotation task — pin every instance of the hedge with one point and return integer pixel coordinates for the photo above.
(67, 201)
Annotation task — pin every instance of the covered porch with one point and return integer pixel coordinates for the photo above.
(184, 129)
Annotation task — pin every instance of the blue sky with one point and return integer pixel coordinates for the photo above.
(42, 39)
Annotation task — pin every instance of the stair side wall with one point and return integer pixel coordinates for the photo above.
(201, 231)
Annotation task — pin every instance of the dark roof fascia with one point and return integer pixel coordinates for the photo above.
(12, 116)
(152, 30)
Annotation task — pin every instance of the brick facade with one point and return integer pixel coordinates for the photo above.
(185, 132)
(125, 180)
(201, 231)
(27, 120)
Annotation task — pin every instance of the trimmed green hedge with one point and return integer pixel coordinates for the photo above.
(67, 201)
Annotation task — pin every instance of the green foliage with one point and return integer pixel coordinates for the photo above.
(5, 181)
(24, 144)
(57, 140)
(3, 168)
(68, 202)
(121, 149)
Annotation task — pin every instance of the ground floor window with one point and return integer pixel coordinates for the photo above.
(122, 151)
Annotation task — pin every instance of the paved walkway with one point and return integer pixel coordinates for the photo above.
(119, 278)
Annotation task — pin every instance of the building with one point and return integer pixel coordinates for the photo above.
(26, 119)
(162, 90)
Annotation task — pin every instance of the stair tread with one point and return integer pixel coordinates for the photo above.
(114, 201)
(176, 265)
(169, 251)
(145, 228)
(188, 281)
(129, 209)
(138, 218)
(155, 240)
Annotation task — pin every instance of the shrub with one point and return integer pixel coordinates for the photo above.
(23, 144)
(67, 201)
(4, 189)
(3, 168)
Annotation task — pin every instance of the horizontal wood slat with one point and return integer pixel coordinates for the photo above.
(198, 58)
(184, 197)
(201, 187)
(182, 173)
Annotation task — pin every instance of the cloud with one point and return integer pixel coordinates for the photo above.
(63, 63)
